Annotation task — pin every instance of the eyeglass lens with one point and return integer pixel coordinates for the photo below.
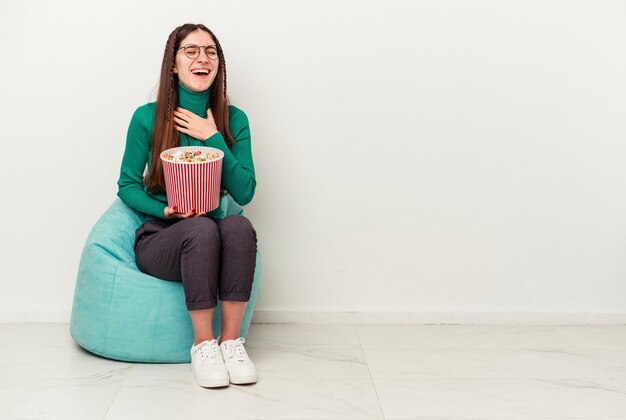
(193, 51)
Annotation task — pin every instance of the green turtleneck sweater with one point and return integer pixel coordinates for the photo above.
(238, 177)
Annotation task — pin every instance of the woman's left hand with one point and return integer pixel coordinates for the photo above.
(193, 125)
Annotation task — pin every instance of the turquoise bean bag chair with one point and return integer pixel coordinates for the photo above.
(122, 313)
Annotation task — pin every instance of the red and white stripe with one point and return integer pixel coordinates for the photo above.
(193, 184)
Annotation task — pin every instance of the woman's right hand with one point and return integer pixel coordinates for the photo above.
(171, 213)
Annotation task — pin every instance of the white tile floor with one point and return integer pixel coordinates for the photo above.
(333, 372)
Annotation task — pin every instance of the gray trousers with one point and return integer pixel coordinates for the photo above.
(209, 257)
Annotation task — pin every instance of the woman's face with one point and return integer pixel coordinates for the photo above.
(185, 66)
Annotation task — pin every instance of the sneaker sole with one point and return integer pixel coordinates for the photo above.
(241, 380)
(213, 383)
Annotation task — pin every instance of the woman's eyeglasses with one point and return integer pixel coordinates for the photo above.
(193, 51)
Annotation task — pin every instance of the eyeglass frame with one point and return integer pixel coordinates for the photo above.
(204, 47)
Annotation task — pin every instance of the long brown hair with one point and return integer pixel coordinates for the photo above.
(164, 135)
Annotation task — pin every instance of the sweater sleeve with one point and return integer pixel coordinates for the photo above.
(131, 188)
(238, 175)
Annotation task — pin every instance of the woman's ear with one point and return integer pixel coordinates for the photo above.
(175, 71)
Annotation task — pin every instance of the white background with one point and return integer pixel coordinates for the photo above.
(412, 157)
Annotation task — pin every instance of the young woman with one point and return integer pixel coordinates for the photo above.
(209, 253)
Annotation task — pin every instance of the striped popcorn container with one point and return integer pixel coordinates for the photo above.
(192, 184)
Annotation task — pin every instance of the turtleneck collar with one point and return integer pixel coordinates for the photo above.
(196, 102)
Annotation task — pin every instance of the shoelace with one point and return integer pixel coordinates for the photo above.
(237, 347)
(210, 353)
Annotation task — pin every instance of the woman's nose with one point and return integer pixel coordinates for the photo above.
(203, 55)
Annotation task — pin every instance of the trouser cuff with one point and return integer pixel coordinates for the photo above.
(207, 304)
(232, 296)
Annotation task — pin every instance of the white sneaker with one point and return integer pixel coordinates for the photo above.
(207, 364)
(240, 367)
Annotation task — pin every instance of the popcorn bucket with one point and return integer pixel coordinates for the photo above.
(192, 184)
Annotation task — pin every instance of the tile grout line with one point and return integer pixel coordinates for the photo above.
(117, 393)
(356, 330)
(581, 348)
